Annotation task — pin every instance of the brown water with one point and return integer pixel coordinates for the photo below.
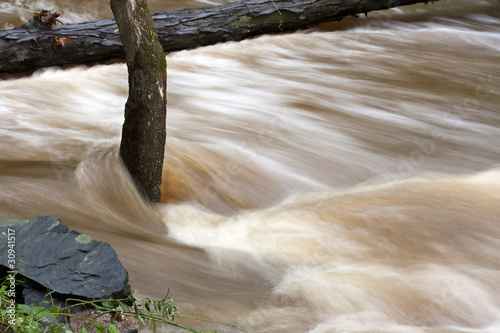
(340, 179)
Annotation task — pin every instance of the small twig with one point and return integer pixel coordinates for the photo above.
(281, 21)
(51, 299)
(276, 7)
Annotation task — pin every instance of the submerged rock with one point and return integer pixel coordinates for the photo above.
(53, 257)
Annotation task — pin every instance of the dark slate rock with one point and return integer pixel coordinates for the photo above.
(68, 262)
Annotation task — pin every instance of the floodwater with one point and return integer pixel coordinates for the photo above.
(340, 179)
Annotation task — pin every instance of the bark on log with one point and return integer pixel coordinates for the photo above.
(27, 48)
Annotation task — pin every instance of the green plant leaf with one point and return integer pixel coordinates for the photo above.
(55, 309)
(113, 329)
(37, 308)
(146, 306)
(141, 319)
(122, 306)
(100, 329)
(23, 308)
(108, 305)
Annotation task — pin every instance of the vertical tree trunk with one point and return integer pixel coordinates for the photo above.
(144, 130)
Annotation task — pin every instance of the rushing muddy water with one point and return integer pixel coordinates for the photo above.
(340, 179)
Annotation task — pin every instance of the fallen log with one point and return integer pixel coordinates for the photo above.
(32, 46)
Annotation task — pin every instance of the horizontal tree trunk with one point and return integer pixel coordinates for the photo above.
(28, 47)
